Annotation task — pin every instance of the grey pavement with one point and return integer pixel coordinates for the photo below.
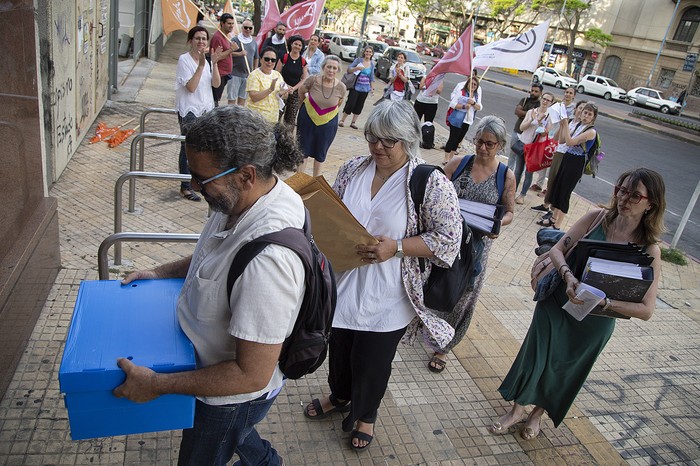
(639, 405)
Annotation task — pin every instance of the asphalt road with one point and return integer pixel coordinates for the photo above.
(626, 146)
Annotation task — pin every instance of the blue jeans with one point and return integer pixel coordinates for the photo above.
(184, 169)
(516, 163)
(221, 431)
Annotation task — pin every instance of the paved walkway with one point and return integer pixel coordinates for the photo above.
(639, 405)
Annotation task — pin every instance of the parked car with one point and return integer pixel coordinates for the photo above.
(652, 98)
(378, 47)
(325, 40)
(422, 47)
(553, 77)
(390, 41)
(600, 85)
(415, 66)
(344, 46)
(409, 44)
(437, 51)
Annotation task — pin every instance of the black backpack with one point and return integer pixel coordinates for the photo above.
(305, 349)
(445, 286)
(427, 135)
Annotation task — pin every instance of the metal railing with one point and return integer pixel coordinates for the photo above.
(102, 262)
(118, 186)
(142, 120)
(132, 161)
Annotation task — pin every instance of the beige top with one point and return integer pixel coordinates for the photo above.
(324, 96)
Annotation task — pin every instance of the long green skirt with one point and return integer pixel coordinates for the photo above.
(556, 357)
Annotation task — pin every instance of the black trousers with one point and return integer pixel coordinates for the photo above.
(355, 103)
(425, 110)
(217, 92)
(456, 136)
(359, 365)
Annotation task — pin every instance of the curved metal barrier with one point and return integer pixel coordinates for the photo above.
(142, 121)
(132, 161)
(102, 263)
(118, 186)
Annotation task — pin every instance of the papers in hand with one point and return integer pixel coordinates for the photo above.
(590, 296)
(557, 112)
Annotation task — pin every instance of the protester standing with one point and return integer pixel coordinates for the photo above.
(426, 106)
(248, 52)
(221, 39)
(466, 96)
(194, 80)
(265, 87)
(516, 153)
(293, 68)
(537, 123)
(277, 40)
(364, 84)
(313, 55)
(317, 123)
(399, 77)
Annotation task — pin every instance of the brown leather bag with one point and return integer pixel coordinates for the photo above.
(543, 263)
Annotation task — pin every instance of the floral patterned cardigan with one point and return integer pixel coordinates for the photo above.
(441, 223)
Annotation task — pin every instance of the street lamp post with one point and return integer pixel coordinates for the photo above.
(663, 42)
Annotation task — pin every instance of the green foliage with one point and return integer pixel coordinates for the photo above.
(674, 256)
(598, 37)
(341, 7)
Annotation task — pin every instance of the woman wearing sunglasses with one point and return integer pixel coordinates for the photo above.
(477, 181)
(265, 87)
(383, 300)
(559, 351)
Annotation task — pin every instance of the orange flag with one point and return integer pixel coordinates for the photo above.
(178, 14)
(228, 8)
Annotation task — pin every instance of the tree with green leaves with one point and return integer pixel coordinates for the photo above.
(420, 10)
(573, 11)
(598, 37)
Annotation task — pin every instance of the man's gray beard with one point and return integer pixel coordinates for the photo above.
(223, 204)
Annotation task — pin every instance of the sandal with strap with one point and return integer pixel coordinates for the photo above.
(436, 364)
(190, 195)
(547, 222)
(338, 407)
(356, 434)
(353, 125)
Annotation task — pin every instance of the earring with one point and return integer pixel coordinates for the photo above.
(646, 212)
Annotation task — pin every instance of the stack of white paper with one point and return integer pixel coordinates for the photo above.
(478, 222)
(478, 208)
(619, 269)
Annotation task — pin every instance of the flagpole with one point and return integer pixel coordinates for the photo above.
(222, 32)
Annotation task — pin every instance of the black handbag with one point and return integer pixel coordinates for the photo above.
(445, 286)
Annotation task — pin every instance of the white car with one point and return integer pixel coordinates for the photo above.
(378, 47)
(602, 86)
(344, 47)
(553, 77)
(409, 44)
(652, 98)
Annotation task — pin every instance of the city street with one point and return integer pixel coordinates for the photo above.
(625, 146)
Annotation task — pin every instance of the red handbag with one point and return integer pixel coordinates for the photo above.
(538, 154)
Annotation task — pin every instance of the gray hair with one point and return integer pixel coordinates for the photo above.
(237, 136)
(493, 125)
(331, 58)
(396, 119)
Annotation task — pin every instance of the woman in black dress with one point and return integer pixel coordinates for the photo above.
(294, 71)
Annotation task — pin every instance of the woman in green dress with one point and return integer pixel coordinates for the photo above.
(559, 351)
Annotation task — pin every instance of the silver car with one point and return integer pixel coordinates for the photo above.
(652, 98)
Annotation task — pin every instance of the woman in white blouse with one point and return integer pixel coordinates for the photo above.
(463, 98)
(194, 79)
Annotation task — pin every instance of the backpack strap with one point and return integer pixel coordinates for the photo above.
(500, 174)
(461, 167)
(303, 62)
(416, 185)
(284, 58)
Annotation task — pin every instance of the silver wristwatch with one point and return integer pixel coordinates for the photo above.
(399, 249)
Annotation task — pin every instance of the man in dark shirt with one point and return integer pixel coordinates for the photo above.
(277, 41)
(525, 104)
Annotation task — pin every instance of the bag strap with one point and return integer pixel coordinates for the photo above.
(416, 185)
(461, 167)
(501, 172)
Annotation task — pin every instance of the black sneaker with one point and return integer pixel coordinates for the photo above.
(540, 208)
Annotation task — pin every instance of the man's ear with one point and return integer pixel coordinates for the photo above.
(247, 175)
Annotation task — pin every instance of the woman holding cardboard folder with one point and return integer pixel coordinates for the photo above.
(559, 351)
(477, 180)
(380, 302)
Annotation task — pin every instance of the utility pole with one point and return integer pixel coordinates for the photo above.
(358, 53)
(663, 42)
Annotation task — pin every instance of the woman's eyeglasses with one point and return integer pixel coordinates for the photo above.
(634, 197)
(269, 59)
(480, 142)
(386, 143)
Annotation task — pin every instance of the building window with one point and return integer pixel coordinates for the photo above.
(688, 25)
(612, 67)
(665, 78)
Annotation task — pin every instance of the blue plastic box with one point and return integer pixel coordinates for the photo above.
(137, 321)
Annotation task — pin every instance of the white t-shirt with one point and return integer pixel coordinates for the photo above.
(457, 94)
(266, 298)
(201, 100)
(372, 297)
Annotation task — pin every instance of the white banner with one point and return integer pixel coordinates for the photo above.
(520, 52)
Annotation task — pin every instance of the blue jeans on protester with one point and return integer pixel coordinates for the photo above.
(182, 161)
(221, 431)
(516, 162)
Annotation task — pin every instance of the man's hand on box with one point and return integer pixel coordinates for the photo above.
(139, 385)
(140, 275)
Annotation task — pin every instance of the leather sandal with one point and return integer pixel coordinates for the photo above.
(320, 414)
(353, 126)
(190, 195)
(529, 433)
(356, 434)
(497, 428)
(436, 364)
(547, 222)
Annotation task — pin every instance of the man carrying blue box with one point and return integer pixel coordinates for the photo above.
(233, 155)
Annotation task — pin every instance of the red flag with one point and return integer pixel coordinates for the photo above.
(272, 17)
(302, 18)
(457, 60)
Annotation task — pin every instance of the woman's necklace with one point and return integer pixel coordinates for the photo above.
(323, 92)
(294, 60)
(382, 178)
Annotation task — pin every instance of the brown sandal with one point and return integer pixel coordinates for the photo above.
(436, 364)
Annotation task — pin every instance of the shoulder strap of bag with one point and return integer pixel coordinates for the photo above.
(501, 180)
(284, 58)
(461, 167)
(416, 185)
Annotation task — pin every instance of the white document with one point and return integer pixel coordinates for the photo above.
(608, 267)
(590, 296)
(479, 208)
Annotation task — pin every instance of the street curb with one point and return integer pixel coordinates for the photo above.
(614, 117)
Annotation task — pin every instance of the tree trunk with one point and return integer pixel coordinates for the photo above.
(572, 41)
(257, 14)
